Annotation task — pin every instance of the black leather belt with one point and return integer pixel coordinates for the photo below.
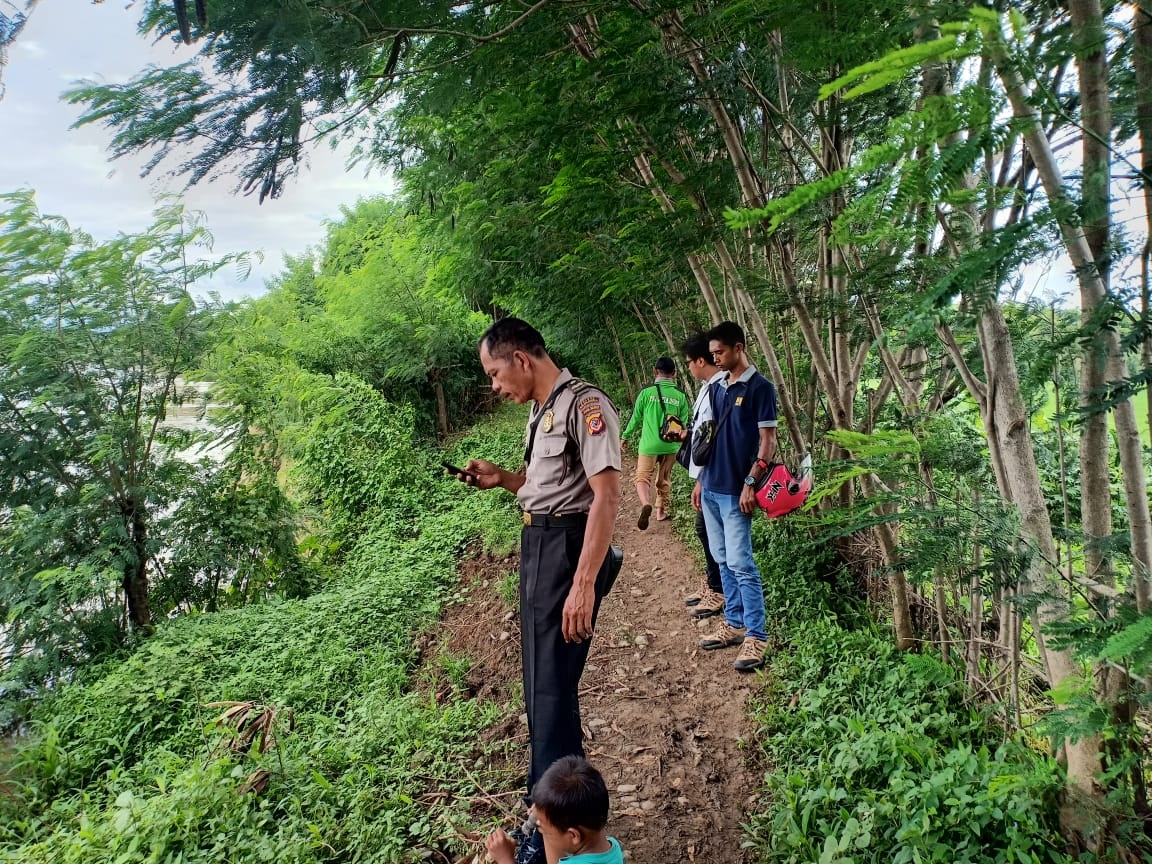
(555, 520)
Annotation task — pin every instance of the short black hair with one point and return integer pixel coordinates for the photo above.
(665, 366)
(572, 794)
(695, 347)
(511, 334)
(727, 333)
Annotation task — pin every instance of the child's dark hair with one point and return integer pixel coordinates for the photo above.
(572, 794)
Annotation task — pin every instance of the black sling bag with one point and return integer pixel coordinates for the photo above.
(672, 426)
(704, 436)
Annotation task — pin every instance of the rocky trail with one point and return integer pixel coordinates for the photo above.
(663, 720)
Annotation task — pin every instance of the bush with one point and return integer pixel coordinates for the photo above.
(877, 759)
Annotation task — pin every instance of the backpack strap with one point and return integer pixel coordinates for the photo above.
(544, 409)
(660, 397)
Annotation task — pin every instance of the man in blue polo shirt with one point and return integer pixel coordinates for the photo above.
(744, 408)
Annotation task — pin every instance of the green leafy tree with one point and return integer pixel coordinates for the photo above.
(94, 337)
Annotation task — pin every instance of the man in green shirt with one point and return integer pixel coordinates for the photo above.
(655, 457)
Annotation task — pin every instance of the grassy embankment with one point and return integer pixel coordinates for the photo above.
(128, 765)
(871, 755)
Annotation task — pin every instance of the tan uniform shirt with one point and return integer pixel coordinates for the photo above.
(578, 441)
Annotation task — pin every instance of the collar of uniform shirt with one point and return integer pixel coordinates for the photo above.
(563, 378)
(744, 376)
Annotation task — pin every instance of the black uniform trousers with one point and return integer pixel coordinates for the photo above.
(552, 667)
(710, 565)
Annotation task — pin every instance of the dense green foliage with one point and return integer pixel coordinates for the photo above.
(127, 764)
(873, 755)
(94, 483)
(876, 757)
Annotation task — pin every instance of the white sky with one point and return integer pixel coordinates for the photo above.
(67, 40)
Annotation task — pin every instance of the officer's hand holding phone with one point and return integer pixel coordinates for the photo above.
(478, 472)
(459, 473)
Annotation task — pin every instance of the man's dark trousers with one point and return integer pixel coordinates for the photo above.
(710, 565)
(552, 667)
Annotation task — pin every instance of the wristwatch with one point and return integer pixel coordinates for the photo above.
(749, 480)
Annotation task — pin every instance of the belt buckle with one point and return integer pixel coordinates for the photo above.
(526, 517)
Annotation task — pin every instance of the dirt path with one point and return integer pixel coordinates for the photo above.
(663, 720)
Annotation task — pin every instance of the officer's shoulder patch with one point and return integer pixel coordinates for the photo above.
(589, 401)
(590, 408)
(588, 404)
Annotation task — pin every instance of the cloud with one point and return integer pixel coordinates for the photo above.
(30, 47)
(73, 177)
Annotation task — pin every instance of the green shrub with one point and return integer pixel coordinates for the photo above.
(877, 759)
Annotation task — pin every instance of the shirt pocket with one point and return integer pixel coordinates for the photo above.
(551, 451)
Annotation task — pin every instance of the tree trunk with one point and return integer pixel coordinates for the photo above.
(1009, 419)
(975, 606)
(886, 535)
(1142, 66)
(441, 406)
(625, 375)
(136, 574)
(1094, 295)
(695, 263)
(1095, 474)
(787, 407)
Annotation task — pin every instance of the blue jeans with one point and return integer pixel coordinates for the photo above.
(730, 536)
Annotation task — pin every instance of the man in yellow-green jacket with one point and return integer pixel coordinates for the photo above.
(660, 406)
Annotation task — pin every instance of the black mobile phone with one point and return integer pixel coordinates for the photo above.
(448, 466)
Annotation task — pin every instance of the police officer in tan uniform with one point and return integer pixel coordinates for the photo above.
(570, 494)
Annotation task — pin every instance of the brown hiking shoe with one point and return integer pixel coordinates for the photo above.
(710, 604)
(725, 637)
(697, 595)
(645, 514)
(751, 656)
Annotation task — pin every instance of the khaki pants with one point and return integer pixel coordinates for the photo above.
(661, 468)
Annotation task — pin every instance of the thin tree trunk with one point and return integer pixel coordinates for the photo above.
(1095, 464)
(1062, 464)
(682, 378)
(787, 407)
(136, 575)
(695, 262)
(1009, 421)
(441, 406)
(1142, 66)
(1014, 662)
(1094, 296)
(633, 390)
(886, 535)
(975, 603)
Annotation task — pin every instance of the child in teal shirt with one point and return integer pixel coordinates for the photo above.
(571, 804)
